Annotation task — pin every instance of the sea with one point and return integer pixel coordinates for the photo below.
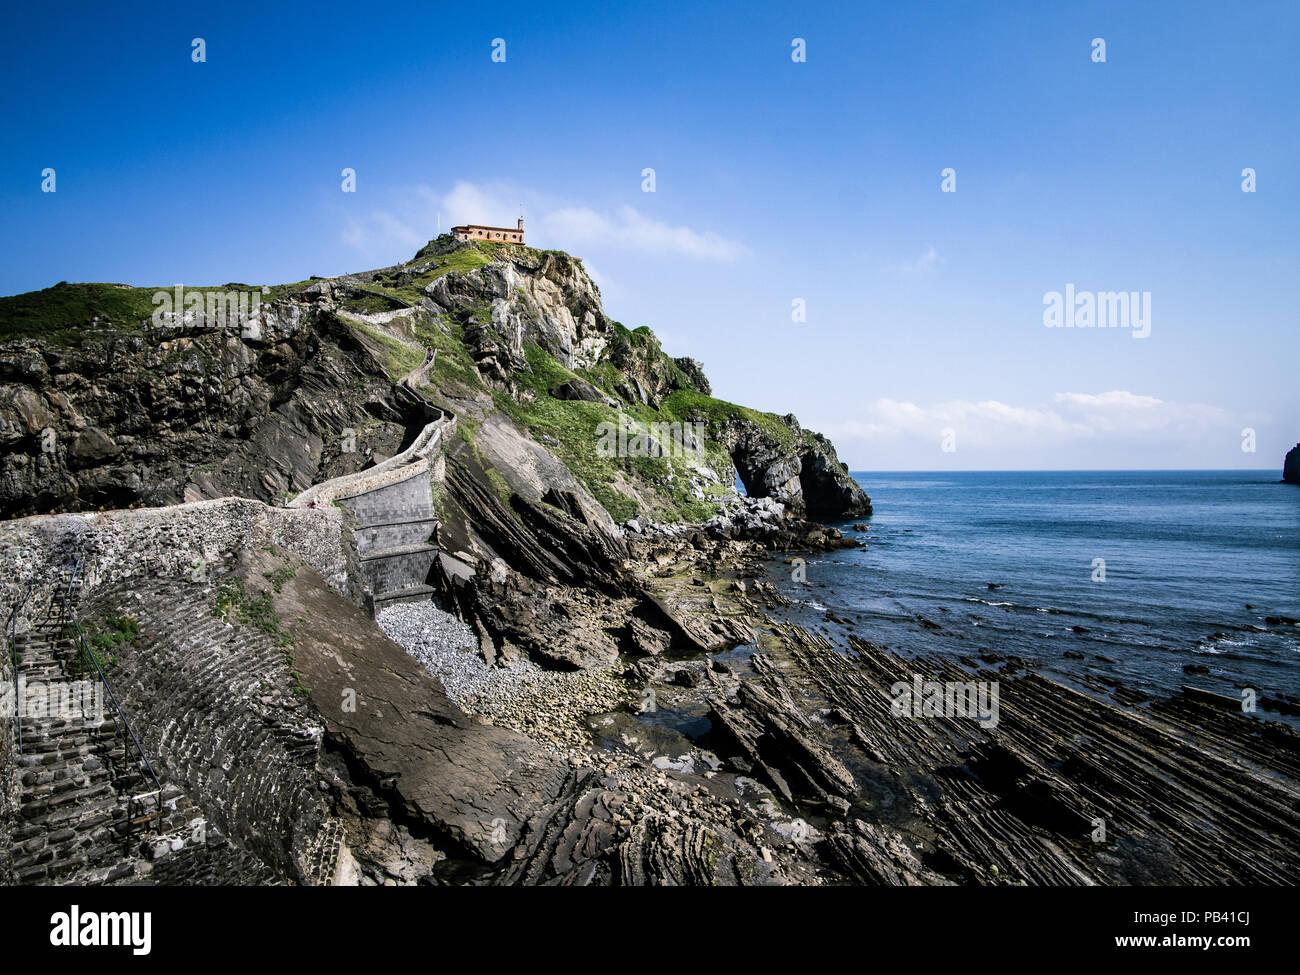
(1150, 580)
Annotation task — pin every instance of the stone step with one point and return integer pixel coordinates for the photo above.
(397, 552)
(29, 659)
(33, 648)
(44, 673)
(429, 517)
(409, 594)
(67, 804)
(46, 752)
(60, 726)
(76, 774)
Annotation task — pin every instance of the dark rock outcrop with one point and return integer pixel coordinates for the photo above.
(595, 836)
(466, 783)
(693, 375)
(828, 490)
(796, 467)
(1291, 466)
(1063, 788)
(578, 389)
(537, 579)
(194, 411)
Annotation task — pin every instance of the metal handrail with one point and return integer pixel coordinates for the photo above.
(72, 579)
(84, 648)
(11, 628)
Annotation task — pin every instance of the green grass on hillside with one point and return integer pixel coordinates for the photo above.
(463, 260)
(574, 426)
(63, 313)
(689, 404)
(399, 357)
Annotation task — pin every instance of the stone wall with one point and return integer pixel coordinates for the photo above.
(392, 511)
(183, 541)
(426, 445)
(394, 524)
(476, 232)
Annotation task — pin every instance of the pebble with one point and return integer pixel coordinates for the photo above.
(549, 706)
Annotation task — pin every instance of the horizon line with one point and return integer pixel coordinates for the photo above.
(1073, 470)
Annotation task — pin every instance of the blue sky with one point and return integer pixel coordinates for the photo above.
(775, 181)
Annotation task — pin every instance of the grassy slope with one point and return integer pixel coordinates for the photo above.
(63, 313)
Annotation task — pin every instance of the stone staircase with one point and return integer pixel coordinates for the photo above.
(227, 724)
(88, 812)
(395, 517)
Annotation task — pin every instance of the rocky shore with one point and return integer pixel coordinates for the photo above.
(784, 750)
(595, 683)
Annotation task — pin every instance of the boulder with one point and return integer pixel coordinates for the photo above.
(578, 389)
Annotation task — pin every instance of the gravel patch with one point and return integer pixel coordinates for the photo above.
(549, 706)
(448, 649)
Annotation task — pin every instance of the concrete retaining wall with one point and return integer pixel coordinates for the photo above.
(392, 507)
(395, 521)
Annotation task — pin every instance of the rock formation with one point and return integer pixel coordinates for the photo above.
(134, 408)
(144, 415)
(285, 730)
(648, 719)
(1291, 466)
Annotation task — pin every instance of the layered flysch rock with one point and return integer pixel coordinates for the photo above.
(192, 410)
(316, 751)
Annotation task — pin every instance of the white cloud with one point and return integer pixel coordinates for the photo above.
(423, 210)
(380, 235)
(1120, 413)
(630, 230)
(470, 203)
(922, 264)
(1117, 415)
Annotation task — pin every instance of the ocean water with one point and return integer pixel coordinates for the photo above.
(1196, 563)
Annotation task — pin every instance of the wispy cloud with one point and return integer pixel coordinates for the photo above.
(380, 232)
(423, 210)
(928, 260)
(1117, 415)
(630, 230)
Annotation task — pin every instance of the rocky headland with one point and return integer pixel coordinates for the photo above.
(380, 607)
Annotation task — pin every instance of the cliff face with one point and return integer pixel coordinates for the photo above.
(249, 633)
(1291, 466)
(796, 467)
(100, 406)
(153, 416)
